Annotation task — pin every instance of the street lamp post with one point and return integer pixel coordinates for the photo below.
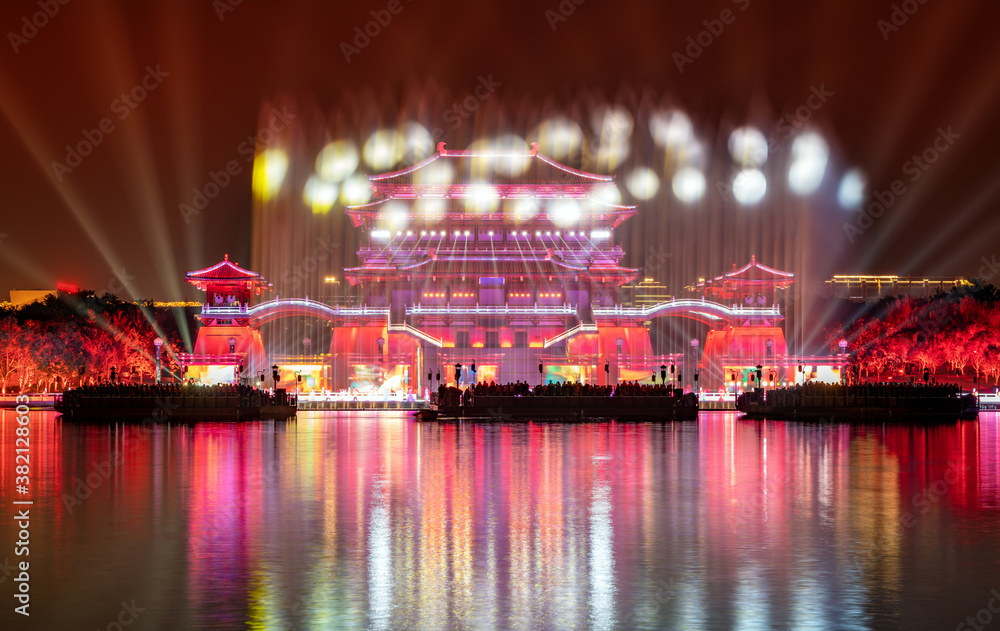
(694, 358)
(769, 343)
(306, 344)
(619, 342)
(158, 343)
(843, 359)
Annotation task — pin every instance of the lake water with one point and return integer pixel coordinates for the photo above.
(373, 521)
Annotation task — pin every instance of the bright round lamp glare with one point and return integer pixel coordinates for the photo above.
(611, 152)
(671, 129)
(430, 209)
(613, 123)
(688, 185)
(319, 194)
(749, 186)
(559, 137)
(384, 148)
(606, 193)
(356, 190)
(337, 161)
(851, 192)
(809, 156)
(564, 212)
(642, 183)
(805, 176)
(269, 168)
(510, 155)
(748, 147)
(482, 198)
(437, 173)
(614, 127)
(417, 143)
(525, 208)
(393, 216)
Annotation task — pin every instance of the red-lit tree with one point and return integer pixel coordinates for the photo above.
(992, 364)
(27, 362)
(10, 350)
(927, 354)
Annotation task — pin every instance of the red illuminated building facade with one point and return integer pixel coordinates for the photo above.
(226, 341)
(755, 336)
(496, 259)
(504, 263)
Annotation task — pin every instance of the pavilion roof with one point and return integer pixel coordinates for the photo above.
(224, 270)
(753, 272)
(477, 166)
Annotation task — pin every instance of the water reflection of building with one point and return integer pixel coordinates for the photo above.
(720, 524)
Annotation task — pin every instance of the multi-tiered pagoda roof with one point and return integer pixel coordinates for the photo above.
(475, 214)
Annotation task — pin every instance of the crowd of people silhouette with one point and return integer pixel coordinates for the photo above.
(870, 394)
(133, 395)
(450, 395)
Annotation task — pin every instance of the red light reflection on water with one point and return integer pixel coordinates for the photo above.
(380, 522)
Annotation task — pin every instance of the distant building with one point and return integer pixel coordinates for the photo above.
(21, 297)
(864, 288)
(648, 292)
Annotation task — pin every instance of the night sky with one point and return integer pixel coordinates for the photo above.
(117, 211)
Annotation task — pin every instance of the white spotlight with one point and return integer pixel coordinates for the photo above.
(671, 129)
(688, 185)
(525, 208)
(337, 160)
(319, 194)
(564, 212)
(851, 192)
(559, 137)
(384, 148)
(430, 209)
(417, 143)
(483, 198)
(809, 156)
(356, 190)
(749, 186)
(437, 173)
(642, 183)
(394, 215)
(748, 147)
(606, 193)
